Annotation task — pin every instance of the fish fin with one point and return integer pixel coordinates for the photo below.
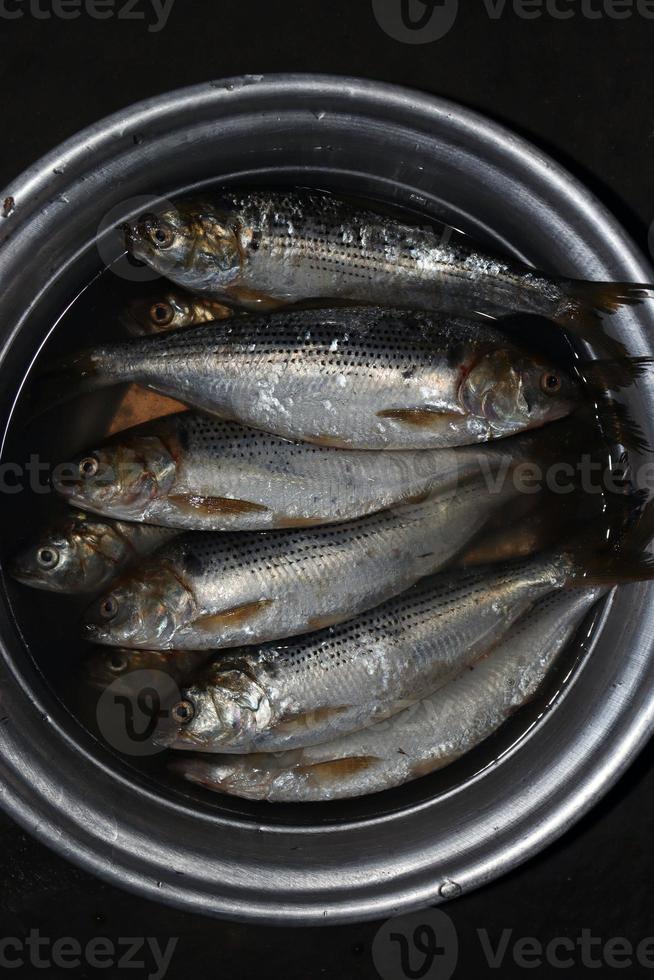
(425, 767)
(607, 297)
(215, 506)
(617, 569)
(637, 529)
(323, 622)
(624, 561)
(614, 373)
(589, 301)
(417, 498)
(307, 720)
(419, 417)
(280, 521)
(254, 299)
(336, 769)
(67, 378)
(618, 426)
(232, 617)
(329, 442)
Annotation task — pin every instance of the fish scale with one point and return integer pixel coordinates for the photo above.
(359, 379)
(223, 590)
(425, 737)
(259, 250)
(341, 680)
(87, 554)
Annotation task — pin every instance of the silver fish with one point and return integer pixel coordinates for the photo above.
(194, 472)
(357, 379)
(172, 309)
(425, 737)
(259, 249)
(208, 591)
(307, 692)
(82, 554)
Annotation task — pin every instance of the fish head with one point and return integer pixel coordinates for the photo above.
(192, 243)
(251, 777)
(513, 392)
(230, 707)
(72, 558)
(172, 309)
(143, 610)
(120, 479)
(105, 667)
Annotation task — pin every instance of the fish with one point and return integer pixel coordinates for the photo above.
(429, 735)
(212, 590)
(172, 309)
(293, 695)
(266, 249)
(82, 554)
(529, 532)
(364, 379)
(105, 668)
(194, 472)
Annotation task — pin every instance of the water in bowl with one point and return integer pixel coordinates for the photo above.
(49, 624)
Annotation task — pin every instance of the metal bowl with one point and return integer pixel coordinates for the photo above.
(432, 839)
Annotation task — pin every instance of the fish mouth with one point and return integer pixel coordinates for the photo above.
(195, 771)
(96, 634)
(73, 495)
(72, 489)
(171, 736)
(130, 233)
(27, 577)
(224, 777)
(173, 740)
(134, 239)
(34, 577)
(167, 738)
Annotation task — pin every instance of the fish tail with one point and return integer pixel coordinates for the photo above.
(614, 373)
(618, 426)
(625, 560)
(619, 569)
(67, 378)
(586, 304)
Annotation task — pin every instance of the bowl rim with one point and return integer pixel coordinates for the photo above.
(538, 810)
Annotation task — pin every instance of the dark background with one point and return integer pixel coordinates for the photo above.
(580, 88)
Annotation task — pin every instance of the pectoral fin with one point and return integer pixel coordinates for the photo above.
(308, 720)
(215, 506)
(419, 417)
(232, 617)
(324, 622)
(334, 771)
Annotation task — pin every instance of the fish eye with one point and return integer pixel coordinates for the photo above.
(551, 383)
(47, 558)
(160, 234)
(116, 662)
(183, 712)
(162, 314)
(109, 607)
(88, 467)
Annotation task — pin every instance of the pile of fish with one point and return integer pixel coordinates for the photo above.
(324, 547)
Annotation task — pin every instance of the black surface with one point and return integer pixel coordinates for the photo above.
(580, 88)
